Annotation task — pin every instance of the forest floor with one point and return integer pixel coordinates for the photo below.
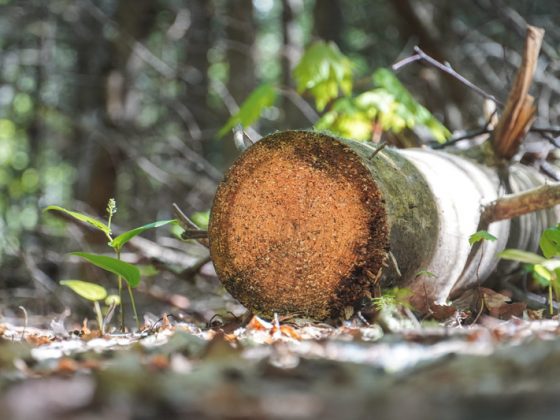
(290, 369)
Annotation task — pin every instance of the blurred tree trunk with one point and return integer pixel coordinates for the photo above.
(240, 44)
(108, 93)
(199, 41)
(92, 59)
(290, 54)
(328, 21)
(34, 129)
(430, 28)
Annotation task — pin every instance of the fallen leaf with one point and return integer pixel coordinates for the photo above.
(509, 310)
(259, 324)
(535, 314)
(37, 340)
(442, 312)
(158, 362)
(67, 366)
(492, 299)
(289, 332)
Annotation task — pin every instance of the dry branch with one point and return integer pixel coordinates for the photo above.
(519, 112)
(192, 231)
(515, 205)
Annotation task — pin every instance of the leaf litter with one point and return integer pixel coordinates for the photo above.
(286, 368)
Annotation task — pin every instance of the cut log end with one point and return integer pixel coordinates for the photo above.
(298, 226)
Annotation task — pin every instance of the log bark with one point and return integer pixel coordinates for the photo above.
(310, 224)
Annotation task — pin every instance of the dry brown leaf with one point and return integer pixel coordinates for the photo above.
(535, 314)
(158, 362)
(67, 366)
(509, 310)
(259, 324)
(493, 299)
(37, 340)
(442, 312)
(290, 332)
(165, 323)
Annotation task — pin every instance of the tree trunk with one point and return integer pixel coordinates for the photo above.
(310, 224)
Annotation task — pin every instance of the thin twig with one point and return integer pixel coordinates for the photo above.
(549, 130)
(478, 132)
(446, 68)
(468, 135)
(406, 61)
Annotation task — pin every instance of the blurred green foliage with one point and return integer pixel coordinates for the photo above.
(324, 72)
(262, 97)
(326, 75)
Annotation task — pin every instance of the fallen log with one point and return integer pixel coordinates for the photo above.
(307, 223)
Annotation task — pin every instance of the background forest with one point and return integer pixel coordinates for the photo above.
(125, 99)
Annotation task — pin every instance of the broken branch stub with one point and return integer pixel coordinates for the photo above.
(520, 109)
(310, 224)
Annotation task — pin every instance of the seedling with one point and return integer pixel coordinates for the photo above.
(481, 235)
(393, 298)
(124, 271)
(545, 269)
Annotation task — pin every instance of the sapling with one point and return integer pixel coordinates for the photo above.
(124, 271)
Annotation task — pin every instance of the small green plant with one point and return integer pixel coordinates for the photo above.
(124, 271)
(393, 298)
(481, 235)
(326, 75)
(545, 269)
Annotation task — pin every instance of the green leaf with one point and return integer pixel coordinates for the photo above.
(112, 300)
(551, 265)
(85, 289)
(201, 219)
(407, 108)
(550, 242)
(425, 273)
(389, 105)
(543, 273)
(82, 218)
(127, 271)
(262, 97)
(541, 281)
(345, 119)
(481, 235)
(123, 238)
(323, 71)
(521, 256)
